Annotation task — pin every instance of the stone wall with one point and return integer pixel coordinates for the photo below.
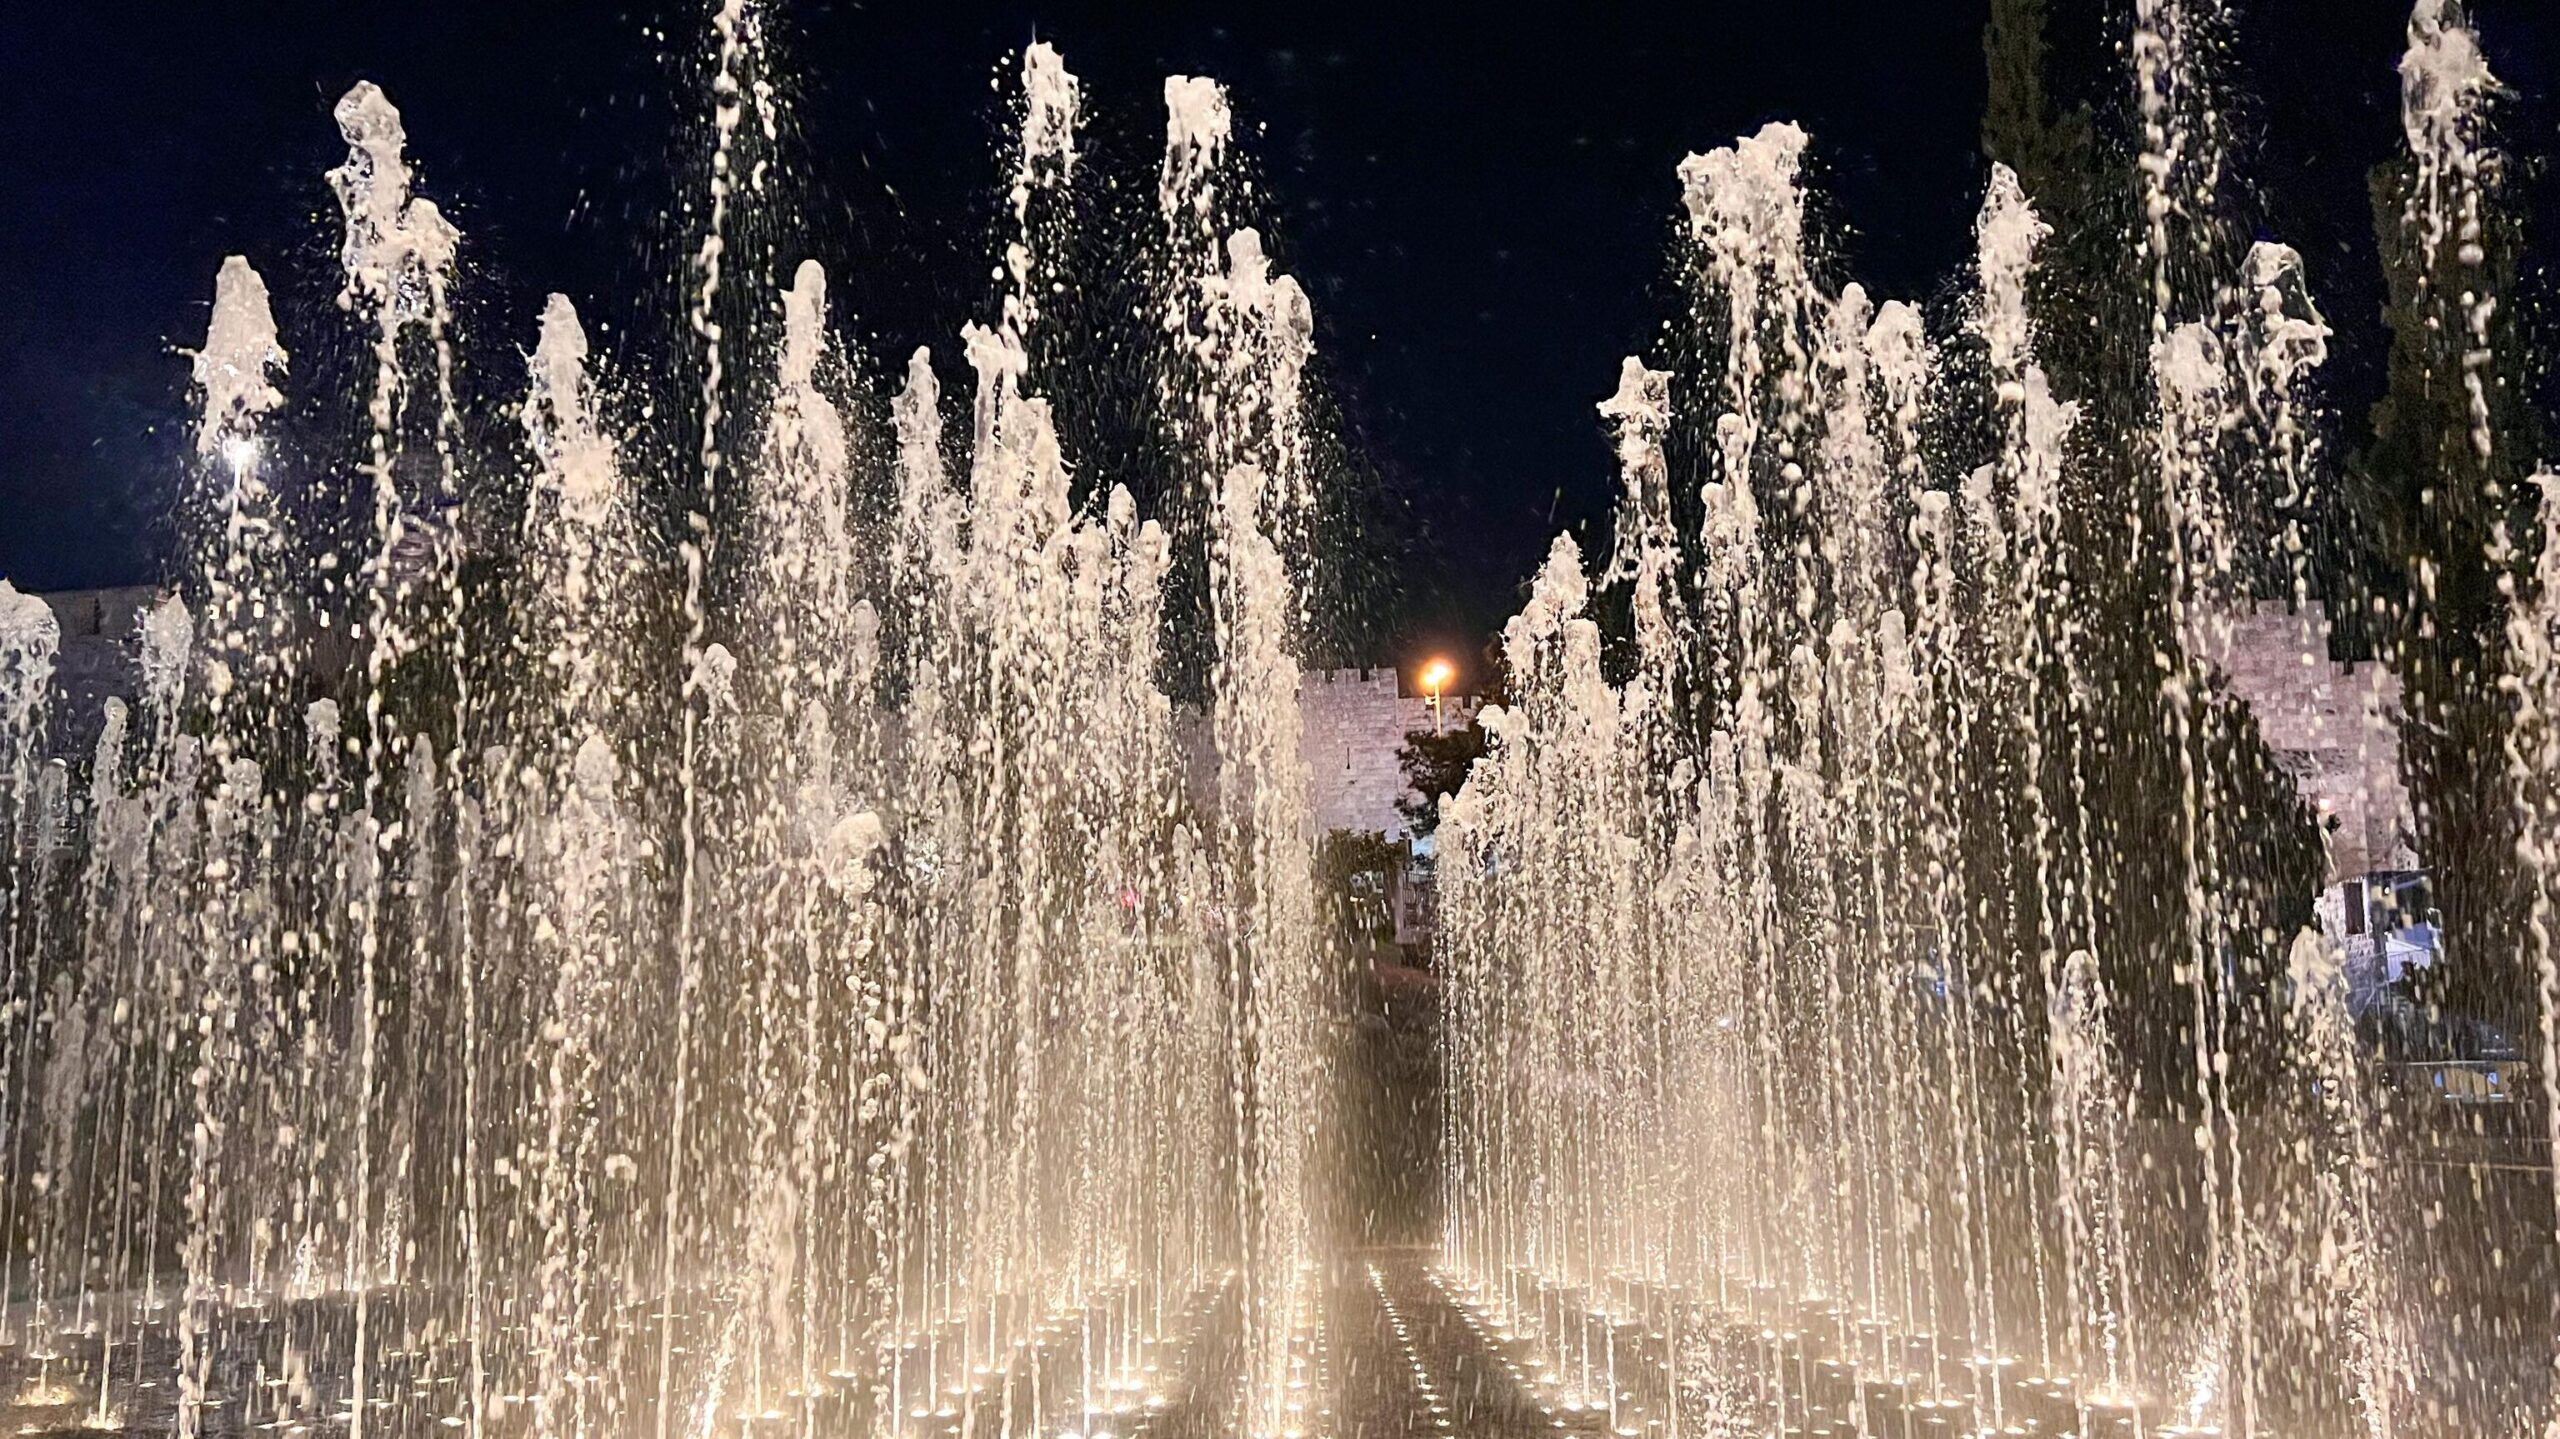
(2334, 726)
(101, 655)
(1354, 723)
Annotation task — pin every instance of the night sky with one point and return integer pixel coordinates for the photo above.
(1480, 207)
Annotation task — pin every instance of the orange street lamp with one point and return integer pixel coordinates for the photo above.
(1434, 676)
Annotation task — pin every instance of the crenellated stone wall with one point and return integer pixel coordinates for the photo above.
(100, 657)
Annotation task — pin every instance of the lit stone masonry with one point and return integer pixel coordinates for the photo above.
(2334, 726)
(1356, 723)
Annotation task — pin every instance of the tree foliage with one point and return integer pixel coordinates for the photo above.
(1435, 764)
(2433, 535)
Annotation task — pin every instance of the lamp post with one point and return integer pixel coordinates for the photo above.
(1434, 676)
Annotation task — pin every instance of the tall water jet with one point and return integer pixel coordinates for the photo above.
(898, 1087)
(788, 937)
(1869, 958)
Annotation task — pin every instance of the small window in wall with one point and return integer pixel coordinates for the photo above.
(2355, 906)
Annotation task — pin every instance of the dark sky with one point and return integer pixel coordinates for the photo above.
(1478, 205)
